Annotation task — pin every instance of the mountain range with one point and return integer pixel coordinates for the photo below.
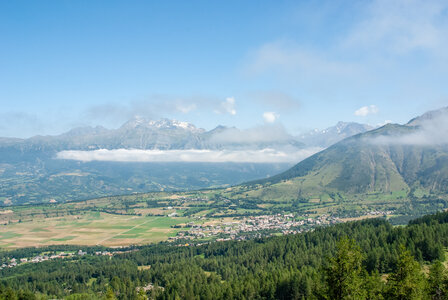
(31, 172)
(165, 134)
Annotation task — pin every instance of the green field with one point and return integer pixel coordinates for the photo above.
(104, 229)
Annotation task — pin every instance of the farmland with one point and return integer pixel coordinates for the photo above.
(93, 228)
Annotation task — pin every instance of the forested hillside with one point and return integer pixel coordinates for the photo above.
(376, 259)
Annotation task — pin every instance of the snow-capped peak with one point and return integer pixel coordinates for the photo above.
(160, 124)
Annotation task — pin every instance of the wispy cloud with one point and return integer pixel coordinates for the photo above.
(157, 106)
(383, 28)
(290, 58)
(185, 108)
(149, 107)
(400, 26)
(396, 44)
(133, 155)
(227, 107)
(366, 110)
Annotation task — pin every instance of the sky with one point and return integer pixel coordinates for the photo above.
(297, 64)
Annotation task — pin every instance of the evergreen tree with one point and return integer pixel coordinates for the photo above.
(407, 281)
(437, 282)
(141, 295)
(374, 286)
(110, 295)
(344, 273)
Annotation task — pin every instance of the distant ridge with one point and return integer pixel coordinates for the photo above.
(430, 115)
(141, 133)
(331, 135)
(361, 165)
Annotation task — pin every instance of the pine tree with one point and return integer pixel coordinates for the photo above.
(373, 285)
(110, 295)
(407, 281)
(141, 294)
(344, 274)
(437, 282)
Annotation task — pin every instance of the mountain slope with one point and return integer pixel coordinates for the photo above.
(380, 165)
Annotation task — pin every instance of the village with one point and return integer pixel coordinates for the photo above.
(261, 226)
(13, 262)
(254, 226)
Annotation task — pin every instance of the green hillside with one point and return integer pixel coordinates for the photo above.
(362, 170)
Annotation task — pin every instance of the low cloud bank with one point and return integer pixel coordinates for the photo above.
(429, 132)
(211, 156)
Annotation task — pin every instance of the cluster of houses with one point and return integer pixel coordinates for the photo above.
(13, 262)
(379, 213)
(258, 226)
(40, 258)
(239, 229)
(104, 253)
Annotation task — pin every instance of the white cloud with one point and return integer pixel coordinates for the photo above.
(366, 110)
(227, 107)
(157, 106)
(384, 123)
(185, 108)
(270, 117)
(215, 156)
(429, 132)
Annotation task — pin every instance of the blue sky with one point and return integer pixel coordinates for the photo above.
(300, 64)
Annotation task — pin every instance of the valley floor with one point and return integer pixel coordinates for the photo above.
(189, 217)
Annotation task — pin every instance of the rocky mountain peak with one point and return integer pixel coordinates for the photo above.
(141, 122)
